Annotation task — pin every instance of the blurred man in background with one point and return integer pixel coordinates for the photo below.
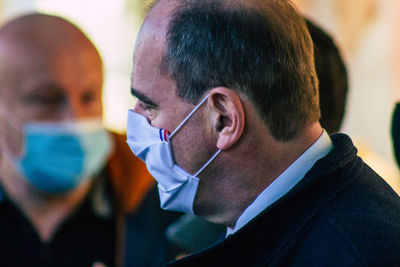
(66, 183)
(332, 77)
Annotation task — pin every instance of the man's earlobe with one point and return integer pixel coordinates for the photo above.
(229, 116)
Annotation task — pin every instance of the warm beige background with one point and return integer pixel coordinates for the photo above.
(367, 31)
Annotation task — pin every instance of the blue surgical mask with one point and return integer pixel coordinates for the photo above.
(58, 157)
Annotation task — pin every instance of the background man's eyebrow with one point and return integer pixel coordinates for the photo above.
(143, 98)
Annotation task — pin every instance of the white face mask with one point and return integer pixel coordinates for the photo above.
(177, 188)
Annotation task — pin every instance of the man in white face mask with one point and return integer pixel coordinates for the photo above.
(227, 122)
(65, 182)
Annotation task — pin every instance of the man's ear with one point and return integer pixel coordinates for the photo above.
(228, 122)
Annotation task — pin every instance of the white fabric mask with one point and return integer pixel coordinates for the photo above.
(177, 188)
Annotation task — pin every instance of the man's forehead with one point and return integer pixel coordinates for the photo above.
(156, 22)
(25, 71)
(146, 74)
(161, 11)
(150, 47)
(155, 25)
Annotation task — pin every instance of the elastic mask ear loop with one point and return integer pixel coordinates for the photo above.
(6, 153)
(188, 116)
(207, 163)
(7, 115)
(184, 121)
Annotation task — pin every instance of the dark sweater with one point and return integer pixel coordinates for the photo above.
(340, 214)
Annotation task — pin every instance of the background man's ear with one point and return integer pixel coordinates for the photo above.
(228, 122)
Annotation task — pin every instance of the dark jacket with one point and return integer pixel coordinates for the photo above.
(341, 214)
(141, 223)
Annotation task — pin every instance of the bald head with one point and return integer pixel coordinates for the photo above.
(41, 35)
(46, 59)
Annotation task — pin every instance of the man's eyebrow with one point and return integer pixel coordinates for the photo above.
(143, 98)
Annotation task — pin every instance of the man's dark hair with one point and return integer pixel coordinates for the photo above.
(332, 76)
(261, 48)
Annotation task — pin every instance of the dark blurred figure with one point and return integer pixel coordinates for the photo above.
(191, 233)
(67, 184)
(396, 132)
(332, 76)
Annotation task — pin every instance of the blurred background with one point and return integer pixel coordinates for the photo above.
(367, 32)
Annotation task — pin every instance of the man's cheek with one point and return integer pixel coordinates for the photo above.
(162, 121)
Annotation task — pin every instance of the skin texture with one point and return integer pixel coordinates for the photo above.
(251, 158)
(49, 71)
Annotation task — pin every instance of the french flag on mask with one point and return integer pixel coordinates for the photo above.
(164, 135)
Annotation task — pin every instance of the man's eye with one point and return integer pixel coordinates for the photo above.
(144, 106)
(44, 100)
(88, 97)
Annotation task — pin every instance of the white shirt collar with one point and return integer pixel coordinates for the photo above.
(286, 181)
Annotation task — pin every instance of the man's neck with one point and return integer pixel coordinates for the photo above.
(45, 212)
(246, 177)
(278, 159)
